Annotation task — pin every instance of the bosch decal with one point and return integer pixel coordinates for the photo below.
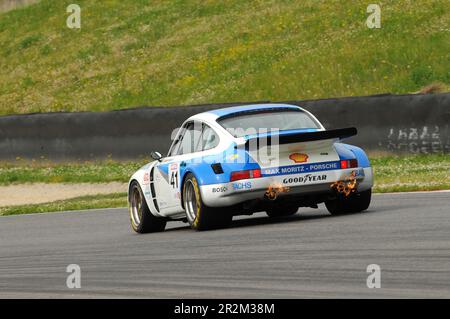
(219, 189)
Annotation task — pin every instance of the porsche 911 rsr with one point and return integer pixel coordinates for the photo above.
(241, 160)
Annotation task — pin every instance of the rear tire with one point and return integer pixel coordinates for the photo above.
(142, 220)
(281, 211)
(200, 216)
(355, 203)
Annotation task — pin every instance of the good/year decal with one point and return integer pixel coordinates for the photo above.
(308, 178)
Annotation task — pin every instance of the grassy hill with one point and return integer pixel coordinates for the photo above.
(174, 52)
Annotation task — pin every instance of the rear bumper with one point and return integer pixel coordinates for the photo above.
(228, 194)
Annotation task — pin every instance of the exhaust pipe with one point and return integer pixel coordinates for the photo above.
(346, 186)
(275, 189)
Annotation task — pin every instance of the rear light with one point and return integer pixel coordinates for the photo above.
(248, 174)
(256, 173)
(349, 163)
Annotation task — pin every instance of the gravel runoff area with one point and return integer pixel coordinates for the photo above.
(39, 193)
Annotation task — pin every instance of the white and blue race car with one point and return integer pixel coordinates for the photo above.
(246, 159)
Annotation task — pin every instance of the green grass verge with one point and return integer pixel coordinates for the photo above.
(79, 203)
(411, 173)
(392, 173)
(179, 52)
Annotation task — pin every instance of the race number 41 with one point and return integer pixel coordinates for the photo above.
(173, 173)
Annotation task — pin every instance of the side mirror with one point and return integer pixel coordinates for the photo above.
(156, 156)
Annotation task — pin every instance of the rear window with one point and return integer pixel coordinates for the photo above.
(252, 123)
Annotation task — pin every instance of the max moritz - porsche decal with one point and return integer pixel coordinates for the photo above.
(305, 168)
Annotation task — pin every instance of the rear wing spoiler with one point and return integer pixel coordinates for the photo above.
(298, 137)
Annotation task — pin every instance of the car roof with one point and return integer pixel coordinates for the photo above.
(211, 117)
(251, 107)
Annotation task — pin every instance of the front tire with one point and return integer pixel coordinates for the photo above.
(200, 216)
(142, 220)
(355, 203)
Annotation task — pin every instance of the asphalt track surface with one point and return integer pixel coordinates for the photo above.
(311, 254)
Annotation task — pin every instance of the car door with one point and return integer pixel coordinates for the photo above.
(167, 175)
